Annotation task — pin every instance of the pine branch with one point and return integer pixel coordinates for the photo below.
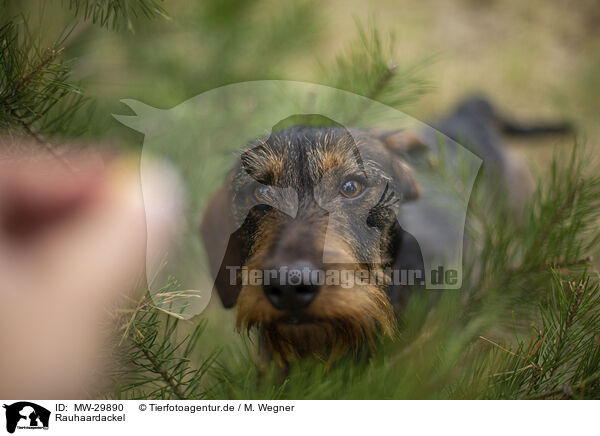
(46, 145)
(380, 85)
(561, 211)
(159, 369)
(37, 69)
(563, 356)
(32, 84)
(367, 68)
(567, 391)
(155, 363)
(117, 13)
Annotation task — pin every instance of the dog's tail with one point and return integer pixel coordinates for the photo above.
(480, 108)
(510, 126)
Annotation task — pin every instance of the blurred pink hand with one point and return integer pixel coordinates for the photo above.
(71, 244)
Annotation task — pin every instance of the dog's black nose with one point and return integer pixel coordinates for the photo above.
(291, 287)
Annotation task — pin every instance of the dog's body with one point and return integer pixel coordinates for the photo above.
(323, 199)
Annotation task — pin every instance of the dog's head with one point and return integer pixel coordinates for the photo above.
(304, 213)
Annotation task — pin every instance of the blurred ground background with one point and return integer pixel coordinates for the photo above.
(535, 59)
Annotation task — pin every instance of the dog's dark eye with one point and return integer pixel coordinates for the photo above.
(261, 192)
(351, 189)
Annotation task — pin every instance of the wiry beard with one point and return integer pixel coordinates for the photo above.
(344, 325)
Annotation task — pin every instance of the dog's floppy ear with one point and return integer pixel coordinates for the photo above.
(403, 144)
(410, 188)
(221, 236)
